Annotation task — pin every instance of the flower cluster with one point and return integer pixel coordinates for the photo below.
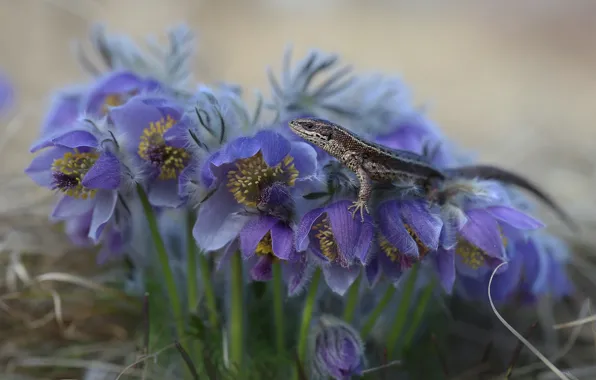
(268, 194)
(141, 131)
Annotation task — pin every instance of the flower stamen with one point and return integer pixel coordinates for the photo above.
(265, 246)
(253, 174)
(327, 243)
(471, 255)
(405, 261)
(154, 149)
(68, 173)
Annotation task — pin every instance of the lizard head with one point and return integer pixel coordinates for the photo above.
(316, 131)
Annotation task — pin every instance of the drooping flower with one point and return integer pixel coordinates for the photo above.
(408, 231)
(82, 166)
(146, 122)
(543, 260)
(239, 175)
(339, 242)
(478, 229)
(337, 349)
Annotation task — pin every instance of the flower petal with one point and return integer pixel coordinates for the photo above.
(274, 146)
(391, 269)
(217, 222)
(305, 228)
(40, 168)
(263, 269)
(445, 263)
(352, 235)
(104, 174)
(75, 139)
(253, 232)
(393, 229)
(105, 203)
(483, 232)
(305, 159)
(297, 273)
(514, 218)
(164, 193)
(340, 279)
(426, 224)
(119, 82)
(242, 147)
(282, 239)
(68, 207)
(373, 271)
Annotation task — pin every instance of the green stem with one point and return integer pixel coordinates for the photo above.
(309, 305)
(278, 307)
(377, 311)
(164, 262)
(208, 288)
(191, 254)
(402, 311)
(421, 305)
(195, 255)
(352, 300)
(236, 312)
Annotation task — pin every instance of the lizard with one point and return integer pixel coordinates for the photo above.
(369, 161)
(375, 162)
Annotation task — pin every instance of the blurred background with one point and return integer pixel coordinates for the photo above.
(513, 81)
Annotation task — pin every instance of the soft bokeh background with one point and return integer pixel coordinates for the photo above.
(514, 82)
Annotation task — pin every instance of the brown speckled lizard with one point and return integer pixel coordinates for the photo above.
(369, 161)
(374, 162)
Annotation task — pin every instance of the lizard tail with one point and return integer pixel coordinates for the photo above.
(494, 173)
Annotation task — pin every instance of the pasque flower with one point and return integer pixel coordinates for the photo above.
(336, 348)
(339, 243)
(478, 230)
(158, 152)
(81, 164)
(239, 174)
(408, 231)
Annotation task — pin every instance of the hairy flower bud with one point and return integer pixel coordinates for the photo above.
(337, 350)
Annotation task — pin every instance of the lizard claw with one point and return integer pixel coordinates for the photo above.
(359, 205)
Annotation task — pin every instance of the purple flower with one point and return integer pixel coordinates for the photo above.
(339, 242)
(240, 174)
(408, 231)
(416, 133)
(337, 349)
(146, 121)
(115, 89)
(78, 166)
(267, 240)
(543, 260)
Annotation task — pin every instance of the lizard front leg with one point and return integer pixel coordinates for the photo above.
(354, 162)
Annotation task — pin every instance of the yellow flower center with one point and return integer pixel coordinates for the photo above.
(326, 241)
(112, 100)
(265, 246)
(153, 148)
(394, 254)
(253, 174)
(471, 255)
(68, 173)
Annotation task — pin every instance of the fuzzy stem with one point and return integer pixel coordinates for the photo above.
(307, 311)
(164, 262)
(352, 300)
(278, 308)
(236, 312)
(377, 311)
